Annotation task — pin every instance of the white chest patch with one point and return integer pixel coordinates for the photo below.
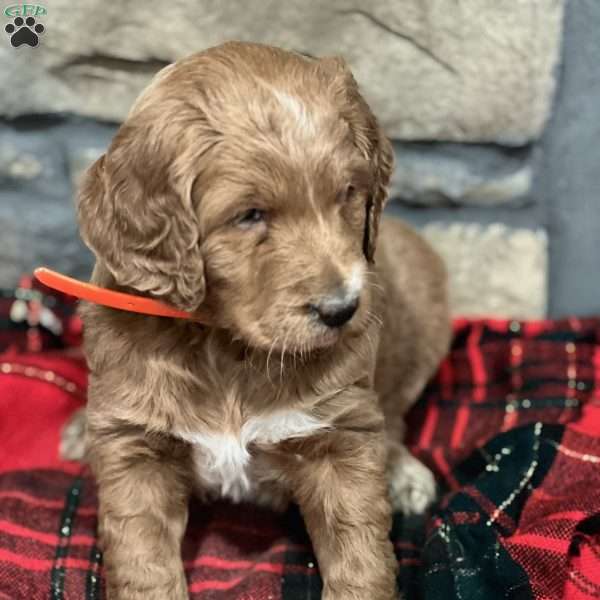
(222, 460)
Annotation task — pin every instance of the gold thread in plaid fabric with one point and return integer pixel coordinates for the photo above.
(57, 577)
(511, 415)
(93, 581)
(12, 368)
(571, 370)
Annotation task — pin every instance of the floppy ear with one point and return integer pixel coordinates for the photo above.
(383, 160)
(368, 138)
(136, 215)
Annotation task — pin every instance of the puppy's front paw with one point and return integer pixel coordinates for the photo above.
(175, 590)
(412, 485)
(353, 593)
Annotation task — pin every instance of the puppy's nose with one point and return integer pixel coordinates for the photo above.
(334, 311)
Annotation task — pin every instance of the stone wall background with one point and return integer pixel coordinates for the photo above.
(502, 183)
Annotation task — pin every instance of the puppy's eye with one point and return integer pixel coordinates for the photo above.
(250, 217)
(348, 193)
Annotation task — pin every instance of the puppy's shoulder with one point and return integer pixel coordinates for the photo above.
(403, 252)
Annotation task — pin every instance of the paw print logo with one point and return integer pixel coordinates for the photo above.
(24, 32)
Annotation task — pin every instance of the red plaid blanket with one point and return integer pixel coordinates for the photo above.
(511, 426)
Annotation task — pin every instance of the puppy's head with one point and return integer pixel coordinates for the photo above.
(250, 180)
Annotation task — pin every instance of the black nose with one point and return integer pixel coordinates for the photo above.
(336, 312)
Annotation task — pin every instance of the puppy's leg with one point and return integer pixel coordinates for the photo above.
(343, 496)
(143, 497)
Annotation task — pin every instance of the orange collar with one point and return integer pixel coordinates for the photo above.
(111, 298)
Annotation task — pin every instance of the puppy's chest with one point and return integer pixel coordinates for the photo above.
(230, 463)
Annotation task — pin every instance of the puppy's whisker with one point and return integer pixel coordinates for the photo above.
(283, 356)
(373, 318)
(371, 346)
(254, 359)
(292, 351)
(373, 278)
(248, 353)
(298, 349)
(273, 343)
(377, 287)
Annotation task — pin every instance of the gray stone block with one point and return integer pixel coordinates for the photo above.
(474, 70)
(80, 159)
(39, 231)
(38, 163)
(17, 166)
(493, 270)
(435, 174)
(29, 160)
